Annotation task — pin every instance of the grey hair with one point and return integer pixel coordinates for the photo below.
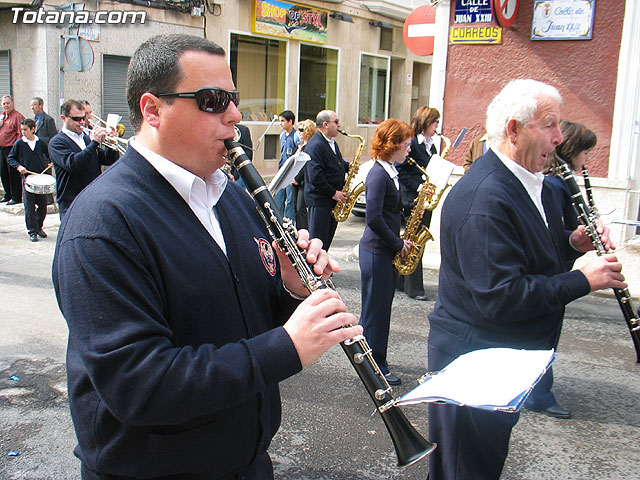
(518, 100)
(323, 116)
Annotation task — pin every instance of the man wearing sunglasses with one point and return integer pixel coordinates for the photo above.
(182, 316)
(324, 177)
(77, 156)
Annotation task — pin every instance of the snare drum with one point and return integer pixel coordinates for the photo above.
(40, 184)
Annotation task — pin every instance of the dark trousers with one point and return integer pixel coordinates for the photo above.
(322, 225)
(541, 396)
(35, 210)
(302, 220)
(472, 443)
(412, 284)
(260, 469)
(11, 178)
(377, 278)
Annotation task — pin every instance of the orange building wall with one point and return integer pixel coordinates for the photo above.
(584, 71)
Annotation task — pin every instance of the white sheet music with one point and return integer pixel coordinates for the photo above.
(288, 171)
(493, 378)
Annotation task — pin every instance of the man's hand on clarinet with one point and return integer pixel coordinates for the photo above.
(582, 242)
(323, 265)
(317, 325)
(604, 272)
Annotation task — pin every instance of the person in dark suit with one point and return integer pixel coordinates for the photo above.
(182, 317)
(28, 155)
(502, 276)
(45, 125)
(324, 177)
(246, 143)
(424, 123)
(381, 240)
(77, 156)
(577, 141)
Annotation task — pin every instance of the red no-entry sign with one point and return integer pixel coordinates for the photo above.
(419, 30)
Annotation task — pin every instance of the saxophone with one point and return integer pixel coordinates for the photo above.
(342, 210)
(428, 199)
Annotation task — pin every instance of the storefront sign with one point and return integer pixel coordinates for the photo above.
(290, 20)
(475, 35)
(562, 19)
(473, 11)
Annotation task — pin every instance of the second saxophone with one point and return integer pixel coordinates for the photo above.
(342, 210)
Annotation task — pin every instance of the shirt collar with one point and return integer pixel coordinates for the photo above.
(330, 140)
(191, 188)
(528, 179)
(72, 135)
(427, 141)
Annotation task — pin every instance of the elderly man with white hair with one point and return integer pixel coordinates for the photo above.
(502, 281)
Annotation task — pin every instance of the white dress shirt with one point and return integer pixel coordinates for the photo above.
(78, 139)
(332, 142)
(201, 195)
(532, 182)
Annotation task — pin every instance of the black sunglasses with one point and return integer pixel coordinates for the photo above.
(78, 119)
(212, 100)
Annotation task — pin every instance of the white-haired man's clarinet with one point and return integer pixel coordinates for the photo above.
(409, 444)
(588, 216)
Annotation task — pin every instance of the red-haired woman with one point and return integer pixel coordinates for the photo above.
(381, 239)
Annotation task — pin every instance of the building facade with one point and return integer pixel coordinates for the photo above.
(351, 59)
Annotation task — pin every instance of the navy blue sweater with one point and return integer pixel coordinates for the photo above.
(76, 168)
(34, 160)
(324, 173)
(502, 277)
(383, 214)
(175, 351)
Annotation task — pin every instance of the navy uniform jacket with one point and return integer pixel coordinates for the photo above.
(502, 277)
(383, 214)
(324, 173)
(46, 128)
(175, 352)
(411, 178)
(35, 160)
(76, 168)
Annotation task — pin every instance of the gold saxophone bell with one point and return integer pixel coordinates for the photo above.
(342, 210)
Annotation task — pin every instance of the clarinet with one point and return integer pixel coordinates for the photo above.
(588, 216)
(410, 446)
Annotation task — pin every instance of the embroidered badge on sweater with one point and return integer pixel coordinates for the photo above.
(267, 255)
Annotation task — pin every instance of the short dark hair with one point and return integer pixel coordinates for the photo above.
(154, 68)
(288, 115)
(66, 107)
(39, 100)
(28, 122)
(85, 102)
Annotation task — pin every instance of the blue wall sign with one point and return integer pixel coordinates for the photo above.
(473, 11)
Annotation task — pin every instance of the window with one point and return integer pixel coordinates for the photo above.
(318, 80)
(114, 90)
(259, 69)
(374, 89)
(5, 72)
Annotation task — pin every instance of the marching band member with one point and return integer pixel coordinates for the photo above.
(381, 239)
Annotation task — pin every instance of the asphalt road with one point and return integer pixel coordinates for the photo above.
(329, 430)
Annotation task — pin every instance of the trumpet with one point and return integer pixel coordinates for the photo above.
(112, 142)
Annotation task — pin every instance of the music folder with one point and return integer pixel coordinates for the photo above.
(497, 379)
(288, 171)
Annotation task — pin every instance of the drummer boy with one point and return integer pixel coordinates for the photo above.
(29, 155)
